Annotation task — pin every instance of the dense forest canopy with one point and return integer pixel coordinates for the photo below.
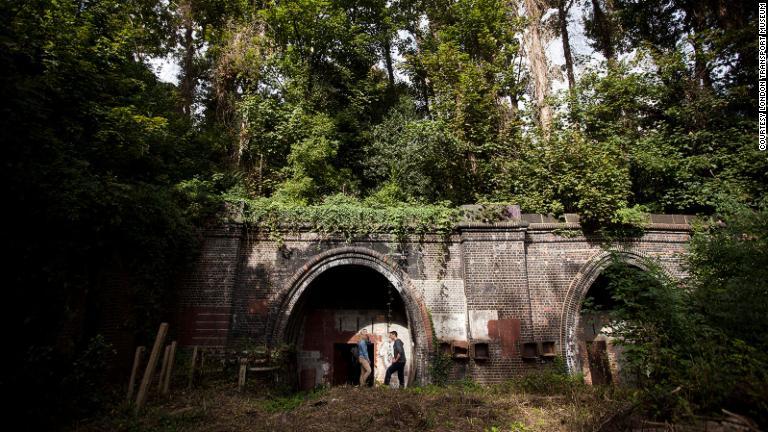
(401, 103)
(420, 101)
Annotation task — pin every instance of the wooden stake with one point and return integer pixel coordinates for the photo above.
(202, 363)
(134, 371)
(146, 380)
(241, 376)
(169, 370)
(163, 368)
(192, 367)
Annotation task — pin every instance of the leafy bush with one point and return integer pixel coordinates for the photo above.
(85, 386)
(553, 379)
(706, 334)
(571, 172)
(415, 155)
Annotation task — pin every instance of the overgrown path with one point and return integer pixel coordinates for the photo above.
(466, 407)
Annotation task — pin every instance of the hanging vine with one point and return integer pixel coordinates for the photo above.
(350, 219)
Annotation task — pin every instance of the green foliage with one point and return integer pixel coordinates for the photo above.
(636, 216)
(265, 140)
(554, 379)
(69, 387)
(685, 150)
(705, 335)
(345, 215)
(730, 261)
(294, 107)
(440, 366)
(84, 388)
(519, 426)
(648, 317)
(464, 68)
(95, 149)
(571, 173)
(311, 174)
(288, 403)
(318, 110)
(413, 155)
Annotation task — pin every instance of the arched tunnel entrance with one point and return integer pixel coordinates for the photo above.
(601, 357)
(588, 344)
(328, 317)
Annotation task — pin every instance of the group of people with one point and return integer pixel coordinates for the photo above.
(398, 359)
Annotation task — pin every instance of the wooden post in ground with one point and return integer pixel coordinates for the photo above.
(169, 369)
(192, 367)
(243, 371)
(164, 367)
(134, 371)
(202, 363)
(146, 380)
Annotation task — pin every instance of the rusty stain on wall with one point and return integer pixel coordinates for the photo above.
(507, 332)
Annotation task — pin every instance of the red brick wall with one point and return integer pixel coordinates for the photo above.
(533, 272)
(206, 294)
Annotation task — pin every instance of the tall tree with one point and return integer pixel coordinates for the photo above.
(189, 47)
(563, 7)
(537, 60)
(468, 57)
(602, 29)
(98, 160)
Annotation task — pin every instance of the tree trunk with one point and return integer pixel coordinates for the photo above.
(604, 31)
(507, 102)
(701, 70)
(562, 11)
(538, 63)
(696, 16)
(387, 49)
(188, 80)
(422, 83)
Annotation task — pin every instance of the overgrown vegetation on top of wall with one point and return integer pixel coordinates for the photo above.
(350, 217)
(353, 218)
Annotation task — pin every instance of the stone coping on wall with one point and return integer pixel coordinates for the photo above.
(501, 225)
(577, 226)
(570, 221)
(567, 218)
(527, 222)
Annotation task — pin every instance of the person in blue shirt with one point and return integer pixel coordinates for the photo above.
(362, 357)
(398, 362)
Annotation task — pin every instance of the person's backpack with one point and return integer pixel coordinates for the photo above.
(355, 352)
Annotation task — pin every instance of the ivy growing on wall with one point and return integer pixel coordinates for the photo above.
(349, 217)
(440, 362)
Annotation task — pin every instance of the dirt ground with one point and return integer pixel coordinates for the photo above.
(463, 407)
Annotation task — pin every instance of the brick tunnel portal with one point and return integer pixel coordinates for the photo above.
(328, 317)
(504, 297)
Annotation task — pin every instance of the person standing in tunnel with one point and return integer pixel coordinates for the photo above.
(398, 362)
(362, 357)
